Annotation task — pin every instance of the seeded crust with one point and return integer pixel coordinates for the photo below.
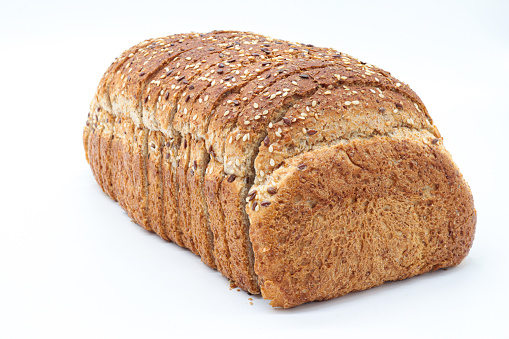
(204, 139)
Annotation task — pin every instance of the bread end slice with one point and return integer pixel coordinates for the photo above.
(351, 216)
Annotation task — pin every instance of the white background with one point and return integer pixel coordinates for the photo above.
(72, 264)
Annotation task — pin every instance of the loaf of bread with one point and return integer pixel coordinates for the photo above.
(297, 172)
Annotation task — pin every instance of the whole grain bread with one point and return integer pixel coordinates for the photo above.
(298, 172)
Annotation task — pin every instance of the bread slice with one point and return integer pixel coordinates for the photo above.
(298, 172)
(155, 187)
(170, 190)
(370, 210)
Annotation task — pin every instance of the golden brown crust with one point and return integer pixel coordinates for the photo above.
(200, 226)
(212, 185)
(170, 191)
(368, 211)
(105, 153)
(118, 170)
(195, 136)
(237, 233)
(183, 195)
(155, 184)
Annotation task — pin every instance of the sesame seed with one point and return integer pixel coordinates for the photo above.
(355, 102)
(226, 113)
(195, 117)
(262, 173)
(257, 208)
(272, 162)
(247, 122)
(231, 139)
(271, 149)
(348, 103)
(327, 92)
(270, 125)
(206, 98)
(313, 103)
(372, 90)
(295, 83)
(237, 162)
(398, 84)
(272, 96)
(255, 105)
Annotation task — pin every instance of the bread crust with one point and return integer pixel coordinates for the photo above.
(199, 137)
(358, 214)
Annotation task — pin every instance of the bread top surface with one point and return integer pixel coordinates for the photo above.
(224, 83)
(255, 100)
